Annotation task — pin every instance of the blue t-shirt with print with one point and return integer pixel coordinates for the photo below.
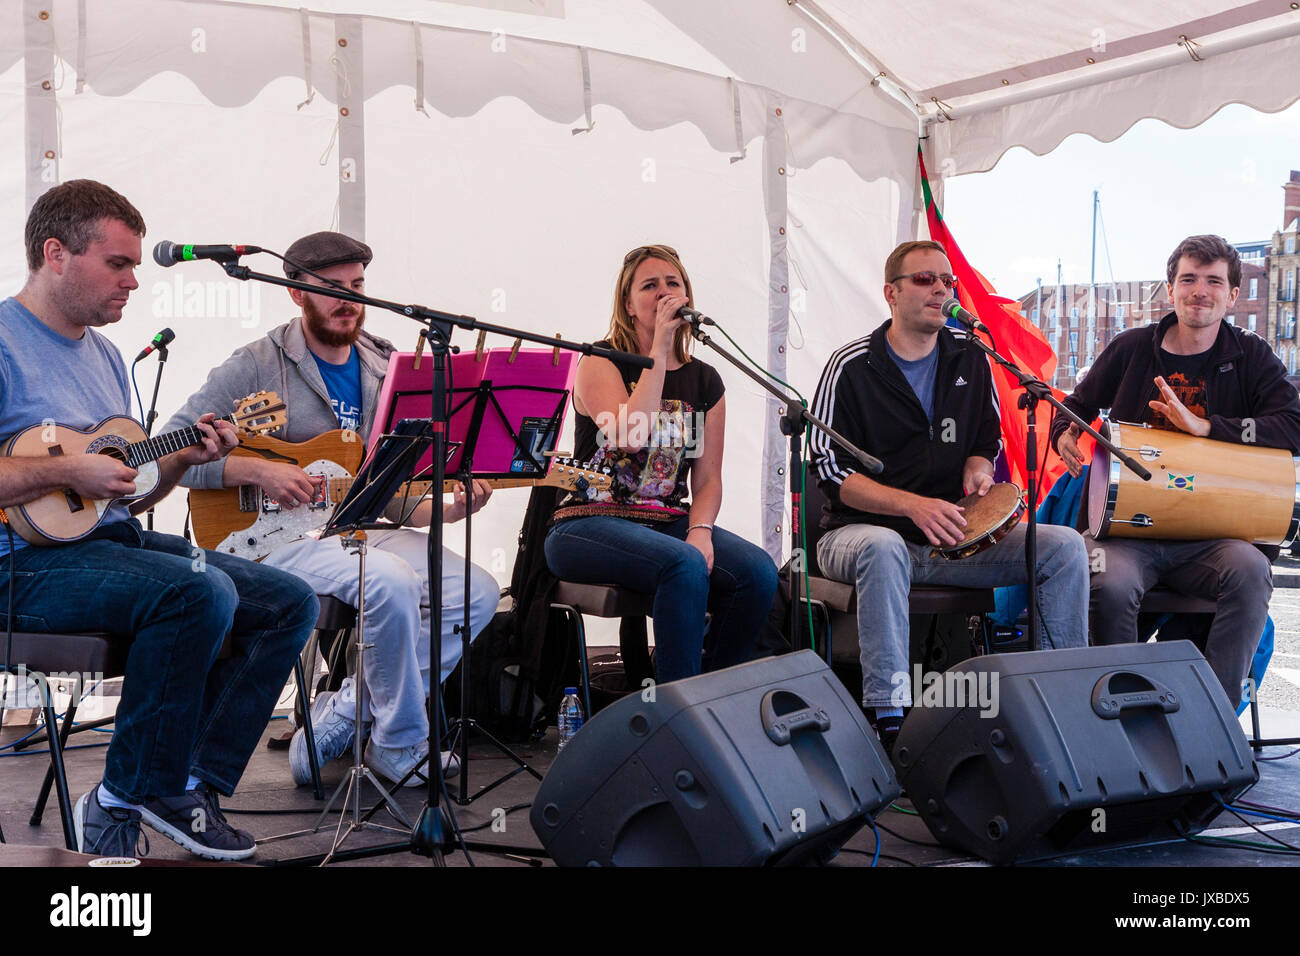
(46, 377)
(343, 382)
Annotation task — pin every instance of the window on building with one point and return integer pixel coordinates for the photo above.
(1074, 318)
(1251, 321)
(1232, 319)
(1035, 315)
(1290, 245)
(1254, 288)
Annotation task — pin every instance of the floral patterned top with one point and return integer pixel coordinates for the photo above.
(650, 485)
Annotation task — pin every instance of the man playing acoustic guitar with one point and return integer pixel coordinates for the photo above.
(1198, 374)
(329, 372)
(187, 722)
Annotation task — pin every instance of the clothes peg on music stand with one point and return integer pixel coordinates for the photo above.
(555, 352)
(514, 350)
(478, 346)
(419, 350)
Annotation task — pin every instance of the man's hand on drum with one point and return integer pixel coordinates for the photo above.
(1177, 412)
(940, 520)
(1067, 447)
(977, 478)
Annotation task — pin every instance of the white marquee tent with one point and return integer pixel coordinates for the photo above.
(501, 155)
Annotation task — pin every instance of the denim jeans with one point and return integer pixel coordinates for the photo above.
(657, 560)
(1234, 574)
(182, 710)
(884, 567)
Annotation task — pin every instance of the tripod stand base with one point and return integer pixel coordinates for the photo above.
(460, 731)
(429, 836)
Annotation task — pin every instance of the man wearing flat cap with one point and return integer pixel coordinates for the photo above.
(329, 371)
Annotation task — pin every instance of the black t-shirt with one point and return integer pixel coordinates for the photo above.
(1186, 377)
(650, 484)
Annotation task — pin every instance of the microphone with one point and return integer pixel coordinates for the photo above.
(952, 309)
(160, 341)
(167, 254)
(695, 318)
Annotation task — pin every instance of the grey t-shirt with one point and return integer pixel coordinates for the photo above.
(920, 375)
(44, 376)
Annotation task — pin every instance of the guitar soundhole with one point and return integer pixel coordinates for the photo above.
(115, 453)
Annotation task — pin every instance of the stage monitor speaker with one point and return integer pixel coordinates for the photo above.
(770, 762)
(1026, 756)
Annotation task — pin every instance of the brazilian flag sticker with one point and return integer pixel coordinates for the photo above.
(1181, 482)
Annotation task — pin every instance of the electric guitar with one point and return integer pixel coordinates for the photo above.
(62, 517)
(249, 523)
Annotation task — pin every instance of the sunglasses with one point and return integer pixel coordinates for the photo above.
(927, 279)
(643, 250)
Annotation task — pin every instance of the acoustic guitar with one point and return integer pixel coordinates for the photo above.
(247, 522)
(62, 517)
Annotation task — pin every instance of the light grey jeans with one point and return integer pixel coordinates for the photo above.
(884, 567)
(397, 620)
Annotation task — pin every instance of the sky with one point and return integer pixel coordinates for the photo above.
(1158, 185)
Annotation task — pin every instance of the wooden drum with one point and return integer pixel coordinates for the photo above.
(1199, 489)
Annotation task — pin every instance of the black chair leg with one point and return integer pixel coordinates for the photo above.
(56, 767)
(304, 701)
(38, 813)
(580, 634)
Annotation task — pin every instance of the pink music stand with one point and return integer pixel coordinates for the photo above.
(510, 407)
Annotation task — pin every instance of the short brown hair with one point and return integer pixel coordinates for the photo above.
(1207, 250)
(622, 328)
(71, 213)
(895, 260)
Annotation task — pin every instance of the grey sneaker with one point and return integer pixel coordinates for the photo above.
(194, 820)
(396, 762)
(107, 831)
(334, 735)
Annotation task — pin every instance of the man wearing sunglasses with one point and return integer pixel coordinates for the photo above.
(1192, 372)
(914, 394)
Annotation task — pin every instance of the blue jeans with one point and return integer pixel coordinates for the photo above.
(657, 560)
(182, 710)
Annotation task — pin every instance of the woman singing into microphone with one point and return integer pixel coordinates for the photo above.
(660, 430)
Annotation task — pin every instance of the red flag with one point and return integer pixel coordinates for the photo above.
(1017, 339)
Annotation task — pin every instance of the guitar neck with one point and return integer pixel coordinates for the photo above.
(339, 487)
(151, 449)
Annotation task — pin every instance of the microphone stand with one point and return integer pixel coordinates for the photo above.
(430, 835)
(152, 415)
(792, 425)
(1036, 390)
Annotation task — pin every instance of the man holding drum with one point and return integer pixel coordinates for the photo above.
(913, 394)
(1197, 374)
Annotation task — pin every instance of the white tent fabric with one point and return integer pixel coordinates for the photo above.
(501, 155)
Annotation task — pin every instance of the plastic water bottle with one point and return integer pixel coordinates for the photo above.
(570, 717)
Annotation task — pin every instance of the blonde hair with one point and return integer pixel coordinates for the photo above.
(622, 327)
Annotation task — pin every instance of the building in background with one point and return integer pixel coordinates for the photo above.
(1079, 320)
(1282, 262)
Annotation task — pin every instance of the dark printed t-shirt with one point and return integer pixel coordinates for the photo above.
(650, 484)
(1186, 377)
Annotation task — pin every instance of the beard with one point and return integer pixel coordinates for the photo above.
(318, 322)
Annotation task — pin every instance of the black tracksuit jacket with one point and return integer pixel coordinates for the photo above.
(863, 395)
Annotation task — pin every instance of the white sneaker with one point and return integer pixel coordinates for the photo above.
(334, 735)
(394, 763)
